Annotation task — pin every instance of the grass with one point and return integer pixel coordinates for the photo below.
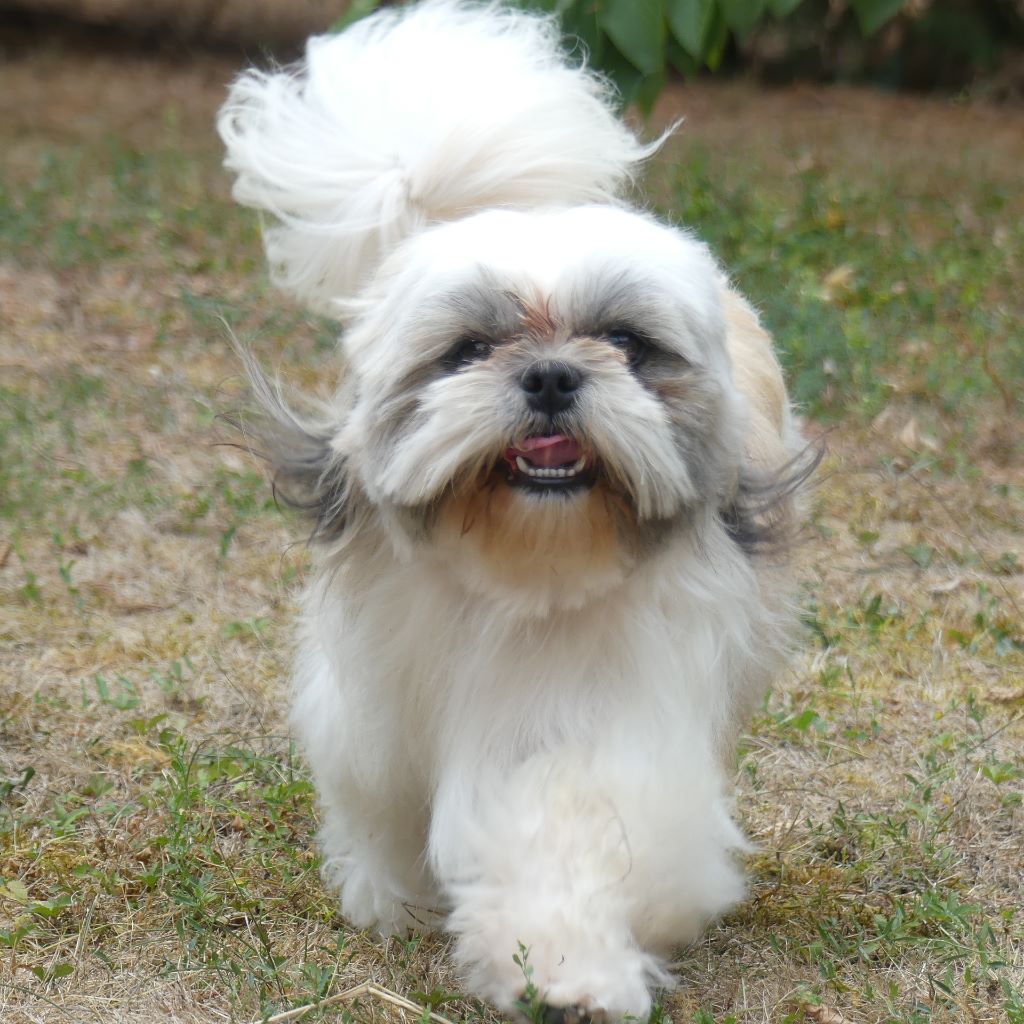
(832, 257)
(155, 820)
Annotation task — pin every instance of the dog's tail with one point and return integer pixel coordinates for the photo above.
(410, 117)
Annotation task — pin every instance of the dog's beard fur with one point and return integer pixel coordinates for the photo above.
(518, 698)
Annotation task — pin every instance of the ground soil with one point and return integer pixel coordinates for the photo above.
(156, 593)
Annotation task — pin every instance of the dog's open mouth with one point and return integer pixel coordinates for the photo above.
(550, 462)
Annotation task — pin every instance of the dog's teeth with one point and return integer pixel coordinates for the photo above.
(550, 472)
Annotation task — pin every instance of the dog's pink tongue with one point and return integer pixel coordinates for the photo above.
(548, 451)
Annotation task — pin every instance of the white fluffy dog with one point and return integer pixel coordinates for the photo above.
(546, 500)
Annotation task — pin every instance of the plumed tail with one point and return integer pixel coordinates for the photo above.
(410, 117)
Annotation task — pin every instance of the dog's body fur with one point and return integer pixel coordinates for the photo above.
(519, 706)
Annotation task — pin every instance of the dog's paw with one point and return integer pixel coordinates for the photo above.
(593, 994)
(592, 981)
(578, 1013)
(369, 900)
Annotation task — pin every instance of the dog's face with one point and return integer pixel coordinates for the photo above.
(544, 390)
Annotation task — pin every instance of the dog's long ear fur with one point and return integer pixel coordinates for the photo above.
(410, 117)
(307, 472)
(763, 514)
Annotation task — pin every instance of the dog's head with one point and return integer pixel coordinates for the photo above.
(542, 398)
(537, 390)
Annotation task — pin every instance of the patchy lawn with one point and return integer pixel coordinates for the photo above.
(155, 819)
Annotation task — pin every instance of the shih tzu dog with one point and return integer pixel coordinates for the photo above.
(548, 500)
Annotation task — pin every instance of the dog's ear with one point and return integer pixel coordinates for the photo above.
(762, 515)
(307, 472)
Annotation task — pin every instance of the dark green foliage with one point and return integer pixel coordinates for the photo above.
(639, 43)
(873, 14)
(947, 45)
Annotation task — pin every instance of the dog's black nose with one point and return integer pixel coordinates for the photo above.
(551, 386)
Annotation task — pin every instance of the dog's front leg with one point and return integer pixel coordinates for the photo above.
(373, 809)
(535, 860)
(594, 861)
(373, 856)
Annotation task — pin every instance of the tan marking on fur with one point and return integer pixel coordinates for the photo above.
(672, 391)
(758, 376)
(521, 541)
(596, 350)
(535, 316)
(591, 354)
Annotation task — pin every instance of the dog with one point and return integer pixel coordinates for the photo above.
(549, 502)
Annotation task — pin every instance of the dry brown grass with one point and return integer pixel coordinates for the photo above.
(157, 864)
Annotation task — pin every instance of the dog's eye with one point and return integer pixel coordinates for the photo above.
(632, 346)
(466, 351)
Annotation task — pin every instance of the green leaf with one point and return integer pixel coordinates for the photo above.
(647, 92)
(680, 60)
(357, 9)
(804, 720)
(9, 940)
(690, 22)
(50, 908)
(16, 890)
(742, 15)
(873, 14)
(548, 6)
(583, 24)
(782, 8)
(921, 555)
(636, 88)
(626, 77)
(714, 42)
(621, 71)
(637, 28)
